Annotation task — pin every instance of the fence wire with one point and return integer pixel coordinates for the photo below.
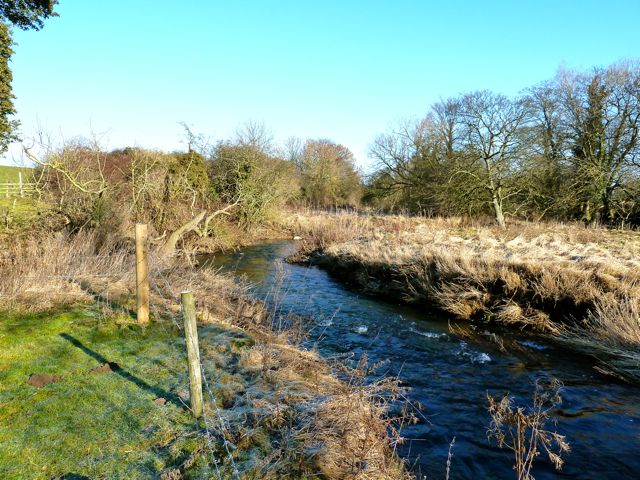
(219, 419)
(103, 297)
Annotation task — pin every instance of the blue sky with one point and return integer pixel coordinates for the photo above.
(344, 70)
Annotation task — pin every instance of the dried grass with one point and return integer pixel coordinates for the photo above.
(524, 430)
(41, 272)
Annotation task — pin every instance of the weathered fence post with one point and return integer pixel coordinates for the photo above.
(20, 182)
(193, 352)
(142, 274)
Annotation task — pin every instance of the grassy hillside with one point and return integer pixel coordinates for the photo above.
(10, 174)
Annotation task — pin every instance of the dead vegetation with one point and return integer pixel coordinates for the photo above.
(282, 409)
(580, 286)
(524, 431)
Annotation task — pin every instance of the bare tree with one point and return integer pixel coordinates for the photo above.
(402, 155)
(255, 135)
(293, 151)
(491, 125)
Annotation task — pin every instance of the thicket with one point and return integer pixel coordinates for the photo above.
(247, 179)
(565, 149)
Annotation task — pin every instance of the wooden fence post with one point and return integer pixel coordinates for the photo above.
(142, 274)
(193, 352)
(20, 180)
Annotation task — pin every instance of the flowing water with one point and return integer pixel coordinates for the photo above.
(451, 377)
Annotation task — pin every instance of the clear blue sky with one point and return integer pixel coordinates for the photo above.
(338, 69)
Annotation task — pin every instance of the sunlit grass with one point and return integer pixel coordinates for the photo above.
(9, 174)
(101, 425)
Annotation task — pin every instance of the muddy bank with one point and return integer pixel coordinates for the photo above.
(377, 279)
(424, 284)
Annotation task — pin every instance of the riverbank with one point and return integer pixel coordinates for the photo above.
(579, 287)
(86, 391)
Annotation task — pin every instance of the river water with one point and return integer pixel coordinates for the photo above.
(451, 376)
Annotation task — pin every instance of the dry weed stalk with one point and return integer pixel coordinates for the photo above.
(523, 430)
(449, 458)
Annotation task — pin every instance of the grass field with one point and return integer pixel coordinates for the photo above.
(91, 423)
(18, 213)
(9, 174)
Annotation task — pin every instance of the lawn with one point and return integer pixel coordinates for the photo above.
(9, 174)
(92, 421)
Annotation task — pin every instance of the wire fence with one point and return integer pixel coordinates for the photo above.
(165, 306)
(15, 189)
(214, 427)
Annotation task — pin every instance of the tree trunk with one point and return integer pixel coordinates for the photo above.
(169, 247)
(497, 208)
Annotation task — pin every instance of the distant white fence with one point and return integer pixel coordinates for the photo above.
(19, 188)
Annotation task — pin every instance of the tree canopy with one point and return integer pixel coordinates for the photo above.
(27, 14)
(568, 148)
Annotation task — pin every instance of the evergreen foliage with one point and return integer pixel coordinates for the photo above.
(27, 14)
(8, 126)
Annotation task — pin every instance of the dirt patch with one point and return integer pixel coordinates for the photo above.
(40, 380)
(107, 367)
(160, 401)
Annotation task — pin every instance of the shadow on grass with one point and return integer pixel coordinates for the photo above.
(158, 392)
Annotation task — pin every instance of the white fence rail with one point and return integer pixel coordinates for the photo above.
(19, 188)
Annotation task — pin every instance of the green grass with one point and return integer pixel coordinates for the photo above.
(9, 174)
(20, 213)
(100, 425)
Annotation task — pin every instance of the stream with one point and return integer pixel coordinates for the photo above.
(451, 376)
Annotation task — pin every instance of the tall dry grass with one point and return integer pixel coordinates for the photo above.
(45, 271)
(581, 286)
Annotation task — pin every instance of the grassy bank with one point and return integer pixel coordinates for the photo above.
(64, 413)
(87, 392)
(10, 174)
(578, 286)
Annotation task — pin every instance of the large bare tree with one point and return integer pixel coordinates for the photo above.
(492, 126)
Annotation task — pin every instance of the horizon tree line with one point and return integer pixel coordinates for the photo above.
(565, 149)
